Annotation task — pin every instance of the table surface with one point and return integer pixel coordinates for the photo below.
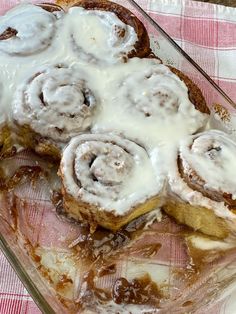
(231, 3)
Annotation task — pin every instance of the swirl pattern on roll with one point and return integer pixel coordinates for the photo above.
(105, 170)
(27, 29)
(55, 102)
(106, 32)
(161, 93)
(206, 165)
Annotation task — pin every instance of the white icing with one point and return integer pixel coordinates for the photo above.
(153, 216)
(103, 81)
(119, 96)
(208, 244)
(35, 29)
(98, 35)
(215, 167)
(15, 68)
(131, 98)
(213, 157)
(113, 173)
(58, 262)
(56, 103)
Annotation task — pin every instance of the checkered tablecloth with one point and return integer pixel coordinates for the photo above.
(205, 31)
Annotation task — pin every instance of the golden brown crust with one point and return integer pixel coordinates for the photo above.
(4, 134)
(50, 7)
(94, 169)
(194, 92)
(142, 46)
(210, 146)
(195, 182)
(42, 146)
(6, 143)
(97, 216)
(197, 217)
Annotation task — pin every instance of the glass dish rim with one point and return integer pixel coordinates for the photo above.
(182, 52)
(24, 277)
(22, 274)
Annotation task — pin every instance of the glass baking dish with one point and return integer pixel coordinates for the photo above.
(29, 212)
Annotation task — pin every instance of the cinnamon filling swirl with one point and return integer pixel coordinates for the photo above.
(105, 170)
(56, 102)
(158, 93)
(107, 32)
(205, 165)
(28, 29)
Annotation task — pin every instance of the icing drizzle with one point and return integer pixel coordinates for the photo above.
(212, 154)
(56, 102)
(102, 36)
(59, 92)
(26, 29)
(208, 162)
(106, 169)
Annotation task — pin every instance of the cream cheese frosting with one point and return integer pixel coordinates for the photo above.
(33, 29)
(101, 35)
(141, 99)
(109, 171)
(16, 69)
(211, 155)
(56, 102)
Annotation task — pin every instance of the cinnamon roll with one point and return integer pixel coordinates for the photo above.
(51, 107)
(153, 95)
(28, 29)
(203, 184)
(162, 93)
(103, 31)
(108, 180)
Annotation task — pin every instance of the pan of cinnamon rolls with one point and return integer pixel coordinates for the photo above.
(80, 85)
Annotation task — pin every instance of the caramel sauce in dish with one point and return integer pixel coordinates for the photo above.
(24, 173)
(99, 253)
(139, 291)
(99, 250)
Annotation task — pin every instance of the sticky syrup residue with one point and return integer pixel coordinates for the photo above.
(7, 185)
(95, 246)
(138, 291)
(23, 173)
(89, 292)
(99, 253)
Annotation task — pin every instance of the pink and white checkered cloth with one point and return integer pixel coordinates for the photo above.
(207, 33)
